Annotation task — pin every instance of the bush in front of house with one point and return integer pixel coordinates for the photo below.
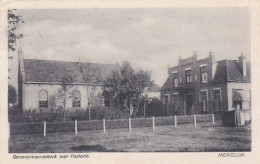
(155, 108)
(100, 112)
(69, 114)
(30, 116)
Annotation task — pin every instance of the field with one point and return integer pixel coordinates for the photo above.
(203, 138)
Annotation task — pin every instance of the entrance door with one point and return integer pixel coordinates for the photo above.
(216, 100)
(176, 108)
(204, 102)
(238, 104)
(189, 102)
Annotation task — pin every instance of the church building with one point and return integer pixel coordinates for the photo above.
(48, 85)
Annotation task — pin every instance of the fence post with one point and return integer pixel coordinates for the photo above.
(44, 128)
(175, 121)
(76, 127)
(130, 125)
(104, 125)
(213, 119)
(153, 123)
(195, 122)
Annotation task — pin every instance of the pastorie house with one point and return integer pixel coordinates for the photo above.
(207, 86)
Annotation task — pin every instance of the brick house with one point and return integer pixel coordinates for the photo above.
(40, 80)
(207, 86)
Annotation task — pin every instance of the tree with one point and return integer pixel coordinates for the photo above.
(12, 95)
(64, 93)
(126, 87)
(13, 21)
(91, 78)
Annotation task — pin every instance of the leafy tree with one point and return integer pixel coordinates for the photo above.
(13, 21)
(126, 87)
(12, 95)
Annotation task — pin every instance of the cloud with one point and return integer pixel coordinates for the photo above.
(148, 38)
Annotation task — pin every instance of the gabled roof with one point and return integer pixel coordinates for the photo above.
(54, 71)
(166, 85)
(230, 70)
(221, 71)
(226, 71)
(154, 88)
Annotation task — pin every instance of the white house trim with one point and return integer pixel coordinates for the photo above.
(189, 68)
(203, 65)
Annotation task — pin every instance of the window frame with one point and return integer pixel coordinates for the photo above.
(188, 76)
(43, 103)
(175, 80)
(166, 99)
(76, 103)
(203, 70)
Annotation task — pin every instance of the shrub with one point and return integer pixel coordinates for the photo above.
(155, 108)
(12, 95)
(100, 112)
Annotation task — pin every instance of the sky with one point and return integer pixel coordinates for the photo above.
(150, 39)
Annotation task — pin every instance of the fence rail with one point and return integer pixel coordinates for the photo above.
(70, 126)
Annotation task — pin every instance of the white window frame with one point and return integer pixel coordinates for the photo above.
(43, 104)
(203, 73)
(220, 94)
(76, 104)
(168, 98)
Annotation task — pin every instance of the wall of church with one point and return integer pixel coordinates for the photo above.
(31, 96)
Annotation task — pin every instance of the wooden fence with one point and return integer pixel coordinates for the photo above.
(75, 126)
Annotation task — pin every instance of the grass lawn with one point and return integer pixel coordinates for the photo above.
(204, 137)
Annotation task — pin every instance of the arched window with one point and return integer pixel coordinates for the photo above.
(43, 99)
(76, 99)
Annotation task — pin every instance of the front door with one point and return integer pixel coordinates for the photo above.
(189, 102)
(176, 108)
(216, 100)
(204, 102)
(238, 104)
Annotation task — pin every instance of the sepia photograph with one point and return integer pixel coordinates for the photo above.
(129, 80)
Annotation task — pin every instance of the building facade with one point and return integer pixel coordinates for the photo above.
(40, 84)
(207, 86)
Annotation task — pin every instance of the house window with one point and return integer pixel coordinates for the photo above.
(166, 99)
(43, 99)
(175, 80)
(203, 75)
(188, 76)
(76, 99)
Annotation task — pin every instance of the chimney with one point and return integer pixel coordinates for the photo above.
(179, 60)
(211, 57)
(242, 63)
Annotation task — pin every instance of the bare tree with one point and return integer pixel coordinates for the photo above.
(64, 92)
(92, 78)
